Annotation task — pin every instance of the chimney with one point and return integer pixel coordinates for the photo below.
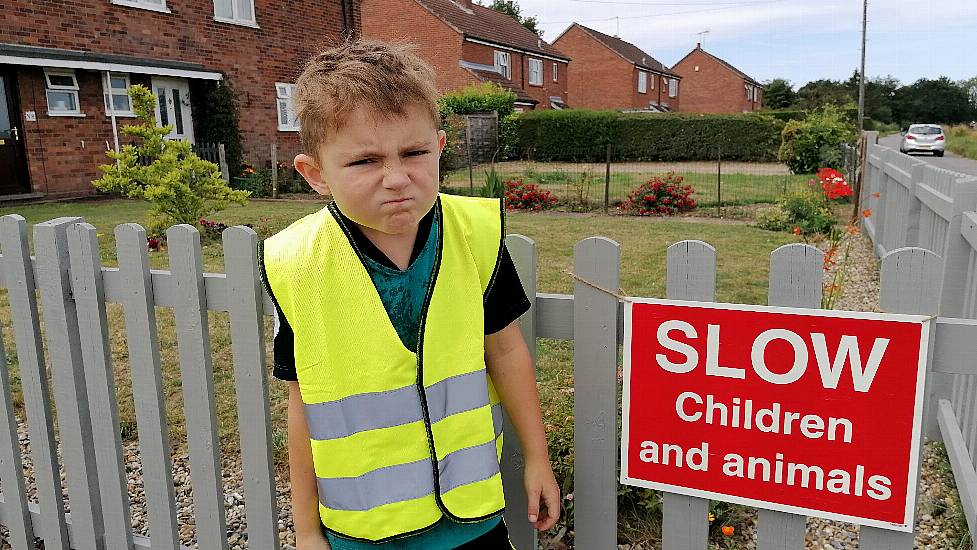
(698, 45)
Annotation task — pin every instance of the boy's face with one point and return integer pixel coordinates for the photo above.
(381, 171)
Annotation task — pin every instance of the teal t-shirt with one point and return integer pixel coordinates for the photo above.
(402, 294)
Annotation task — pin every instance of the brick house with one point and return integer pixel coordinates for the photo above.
(65, 68)
(609, 73)
(714, 86)
(467, 43)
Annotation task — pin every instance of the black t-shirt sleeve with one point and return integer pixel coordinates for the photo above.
(505, 302)
(284, 349)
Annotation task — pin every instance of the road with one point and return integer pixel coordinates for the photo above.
(948, 161)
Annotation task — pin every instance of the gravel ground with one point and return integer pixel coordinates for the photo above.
(938, 501)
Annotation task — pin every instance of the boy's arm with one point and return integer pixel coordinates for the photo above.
(305, 494)
(511, 368)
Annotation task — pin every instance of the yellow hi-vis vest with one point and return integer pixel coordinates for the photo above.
(398, 439)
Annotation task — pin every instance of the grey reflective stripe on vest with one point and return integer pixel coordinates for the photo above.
(370, 411)
(497, 419)
(408, 481)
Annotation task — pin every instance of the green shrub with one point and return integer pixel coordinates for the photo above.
(804, 212)
(181, 187)
(582, 136)
(816, 141)
(216, 118)
(478, 98)
(660, 196)
(520, 195)
(786, 115)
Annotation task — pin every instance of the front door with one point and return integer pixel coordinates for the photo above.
(173, 107)
(13, 160)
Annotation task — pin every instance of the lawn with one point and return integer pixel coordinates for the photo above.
(743, 256)
(584, 183)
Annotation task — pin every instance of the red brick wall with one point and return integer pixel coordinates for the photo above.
(714, 88)
(485, 55)
(252, 59)
(437, 43)
(599, 78)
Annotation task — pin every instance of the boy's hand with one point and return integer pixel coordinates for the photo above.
(541, 486)
(314, 541)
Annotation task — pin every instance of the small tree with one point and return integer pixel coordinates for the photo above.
(181, 186)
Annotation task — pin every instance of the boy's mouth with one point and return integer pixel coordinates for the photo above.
(397, 201)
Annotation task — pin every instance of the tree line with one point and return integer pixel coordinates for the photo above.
(886, 99)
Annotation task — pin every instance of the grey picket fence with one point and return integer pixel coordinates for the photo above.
(916, 204)
(74, 289)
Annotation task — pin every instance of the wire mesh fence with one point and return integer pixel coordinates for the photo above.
(716, 182)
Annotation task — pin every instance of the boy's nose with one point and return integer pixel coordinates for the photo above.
(395, 177)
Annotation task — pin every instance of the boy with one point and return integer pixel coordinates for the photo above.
(396, 326)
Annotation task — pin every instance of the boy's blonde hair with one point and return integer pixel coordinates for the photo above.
(385, 78)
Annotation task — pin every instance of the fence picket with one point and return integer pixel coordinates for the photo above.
(19, 280)
(903, 282)
(70, 390)
(596, 260)
(89, 295)
(197, 375)
(796, 272)
(13, 503)
(244, 299)
(147, 385)
(521, 533)
(691, 275)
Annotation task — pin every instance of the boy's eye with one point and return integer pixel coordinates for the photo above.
(417, 153)
(361, 162)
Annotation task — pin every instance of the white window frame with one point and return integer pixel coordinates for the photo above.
(144, 5)
(107, 94)
(642, 82)
(236, 18)
(556, 72)
(672, 87)
(285, 93)
(535, 72)
(503, 64)
(72, 90)
(749, 92)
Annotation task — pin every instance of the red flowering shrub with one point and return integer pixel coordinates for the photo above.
(660, 196)
(520, 195)
(833, 184)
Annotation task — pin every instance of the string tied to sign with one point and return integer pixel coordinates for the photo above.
(620, 294)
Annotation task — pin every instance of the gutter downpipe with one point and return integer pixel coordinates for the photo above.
(110, 107)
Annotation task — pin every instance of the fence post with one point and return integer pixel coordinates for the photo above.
(690, 275)
(521, 533)
(906, 275)
(607, 179)
(956, 252)
(796, 275)
(912, 226)
(89, 294)
(222, 157)
(719, 182)
(596, 260)
(17, 516)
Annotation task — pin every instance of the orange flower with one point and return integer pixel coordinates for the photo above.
(728, 530)
(866, 213)
(876, 194)
(797, 230)
(853, 229)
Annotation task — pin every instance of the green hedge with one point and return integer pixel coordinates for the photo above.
(580, 135)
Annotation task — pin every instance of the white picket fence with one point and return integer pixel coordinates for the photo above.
(74, 289)
(916, 204)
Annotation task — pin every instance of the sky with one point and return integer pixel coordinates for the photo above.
(800, 40)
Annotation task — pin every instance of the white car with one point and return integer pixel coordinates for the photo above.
(923, 137)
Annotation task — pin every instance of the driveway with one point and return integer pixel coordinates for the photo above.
(949, 161)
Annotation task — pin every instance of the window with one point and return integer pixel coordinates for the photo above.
(503, 64)
(287, 121)
(749, 92)
(642, 82)
(62, 93)
(116, 95)
(240, 12)
(155, 5)
(556, 73)
(672, 87)
(536, 72)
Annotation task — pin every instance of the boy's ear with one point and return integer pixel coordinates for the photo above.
(310, 170)
(442, 140)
